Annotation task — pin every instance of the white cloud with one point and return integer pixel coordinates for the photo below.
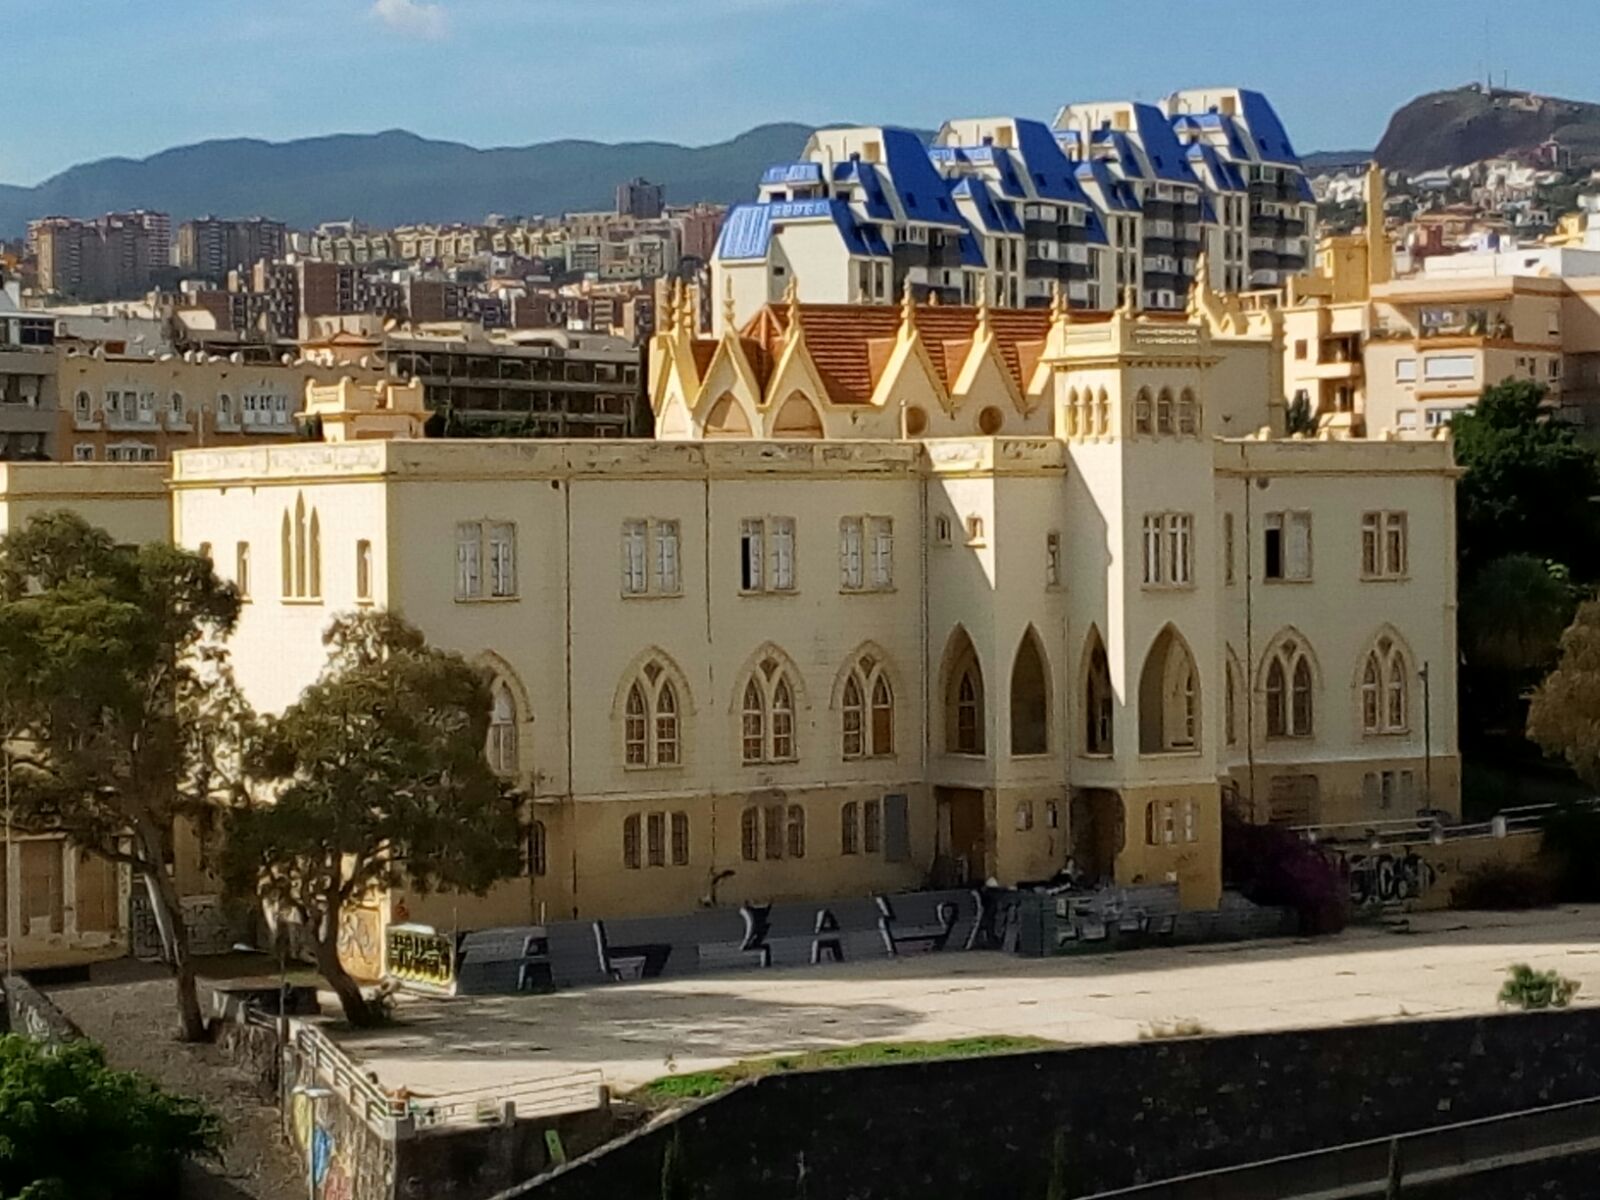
(414, 17)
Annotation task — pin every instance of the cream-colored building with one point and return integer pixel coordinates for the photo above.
(846, 659)
(901, 595)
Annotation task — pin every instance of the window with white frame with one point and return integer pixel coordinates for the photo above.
(502, 730)
(866, 554)
(486, 560)
(1385, 689)
(1287, 550)
(867, 711)
(650, 729)
(766, 554)
(1383, 545)
(83, 452)
(650, 558)
(1168, 549)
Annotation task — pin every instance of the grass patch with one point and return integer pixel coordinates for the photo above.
(697, 1085)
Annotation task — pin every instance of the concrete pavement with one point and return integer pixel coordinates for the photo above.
(1439, 964)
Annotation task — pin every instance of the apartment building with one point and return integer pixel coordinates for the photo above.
(1118, 195)
(27, 379)
(640, 199)
(117, 255)
(508, 383)
(212, 247)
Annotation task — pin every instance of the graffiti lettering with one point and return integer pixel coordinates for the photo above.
(418, 956)
(1377, 880)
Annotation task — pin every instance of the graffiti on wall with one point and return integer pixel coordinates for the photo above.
(420, 958)
(1381, 879)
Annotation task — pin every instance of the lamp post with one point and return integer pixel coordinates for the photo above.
(1427, 735)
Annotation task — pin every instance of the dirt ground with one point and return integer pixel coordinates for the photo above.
(128, 1008)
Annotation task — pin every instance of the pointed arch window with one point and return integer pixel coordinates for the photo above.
(1188, 413)
(1098, 701)
(502, 730)
(300, 546)
(1030, 703)
(1072, 413)
(650, 730)
(767, 715)
(1142, 422)
(1104, 406)
(1164, 412)
(1384, 689)
(867, 711)
(1169, 697)
(1289, 688)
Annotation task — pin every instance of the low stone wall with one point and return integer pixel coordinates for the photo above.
(1417, 876)
(30, 1014)
(478, 1163)
(985, 1129)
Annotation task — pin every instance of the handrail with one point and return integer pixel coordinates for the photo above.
(1306, 1156)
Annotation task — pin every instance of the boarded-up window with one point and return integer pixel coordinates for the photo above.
(896, 828)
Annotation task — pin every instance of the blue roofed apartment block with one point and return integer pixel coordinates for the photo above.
(1119, 202)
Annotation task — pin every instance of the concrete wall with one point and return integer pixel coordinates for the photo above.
(28, 1013)
(1418, 876)
(984, 1128)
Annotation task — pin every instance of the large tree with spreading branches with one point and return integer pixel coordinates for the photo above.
(119, 713)
(374, 779)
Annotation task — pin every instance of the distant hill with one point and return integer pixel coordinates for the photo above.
(1324, 162)
(1466, 124)
(397, 177)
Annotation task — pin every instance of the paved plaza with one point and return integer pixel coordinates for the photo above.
(1430, 965)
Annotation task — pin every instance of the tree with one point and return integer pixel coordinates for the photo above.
(375, 778)
(1528, 483)
(1513, 613)
(1299, 419)
(73, 1129)
(1564, 717)
(117, 702)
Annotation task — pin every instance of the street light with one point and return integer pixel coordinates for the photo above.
(1427, 736)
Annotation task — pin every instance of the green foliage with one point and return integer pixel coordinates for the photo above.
(1528, 989)
(378, 780)
(117, 696)
(1561, 718)
(1527, 482)
(701, 1084)
(1501, 886)
(1513, 613)
(1299, 418)
(73, 1129)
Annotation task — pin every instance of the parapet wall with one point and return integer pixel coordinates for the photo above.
(984, 1129)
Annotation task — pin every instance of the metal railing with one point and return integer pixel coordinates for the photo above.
(1522, 819)
(382, 1110)
(1360, 1169)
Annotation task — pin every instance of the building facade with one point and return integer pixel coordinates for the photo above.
(1117, 195)
(798, 652)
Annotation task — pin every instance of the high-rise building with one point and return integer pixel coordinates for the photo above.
(111, 257)
(211, 247)
(640, 199)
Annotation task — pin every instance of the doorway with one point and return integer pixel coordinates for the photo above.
(962, 834)
(1097, 831)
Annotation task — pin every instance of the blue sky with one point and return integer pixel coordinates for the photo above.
(86, 79)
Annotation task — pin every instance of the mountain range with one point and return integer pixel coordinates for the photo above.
(396, 177)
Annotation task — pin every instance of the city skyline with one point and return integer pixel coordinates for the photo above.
(700, 73)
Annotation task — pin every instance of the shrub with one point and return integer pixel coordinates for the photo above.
(1528, 989)
(1503, 886)
(1274, 866)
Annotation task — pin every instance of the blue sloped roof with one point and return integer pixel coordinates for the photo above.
(924, 195)
(1127, 157)
(1161, 148)
(1010, 181)
(1302, 185)
(1049, 168)
(1225, 176)
(747, 232)
(994, 216)
(1116, 194)
(1208, 214)
(804, 172)
(971, 251)
(1095, 227)
(1271, 139)
(877, 203)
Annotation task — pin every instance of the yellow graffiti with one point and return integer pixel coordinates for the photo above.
(300, 1115)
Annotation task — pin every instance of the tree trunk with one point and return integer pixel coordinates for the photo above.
(169, 917)
(357, 1009)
